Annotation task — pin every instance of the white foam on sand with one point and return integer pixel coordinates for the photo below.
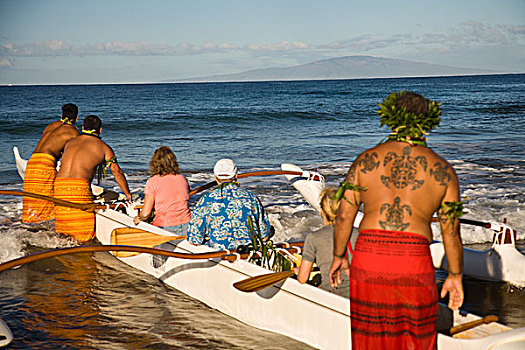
(19, 240)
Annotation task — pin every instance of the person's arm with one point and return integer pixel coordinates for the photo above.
(263, 221)
(343, 228)
(120, 178)
(303, 271)
(450, 232)
(147, 208)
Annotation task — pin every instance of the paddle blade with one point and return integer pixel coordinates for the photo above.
(137, 237)
(254, 284)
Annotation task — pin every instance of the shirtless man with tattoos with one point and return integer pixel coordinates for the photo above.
(401, 183)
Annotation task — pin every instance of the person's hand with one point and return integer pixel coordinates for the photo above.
(338, 264)
(454, 288)
(136, 220)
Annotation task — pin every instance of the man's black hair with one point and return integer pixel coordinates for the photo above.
(70, 111)
(93, 123)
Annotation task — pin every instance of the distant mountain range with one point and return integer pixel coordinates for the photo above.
(347, 67)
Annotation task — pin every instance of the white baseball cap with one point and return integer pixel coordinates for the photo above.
(225, 169)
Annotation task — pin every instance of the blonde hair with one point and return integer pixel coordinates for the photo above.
(164, 162)
(329, 205)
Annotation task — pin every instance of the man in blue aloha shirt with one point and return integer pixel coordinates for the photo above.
(220, 218)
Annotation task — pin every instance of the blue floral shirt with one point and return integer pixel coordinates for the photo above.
(220, 218)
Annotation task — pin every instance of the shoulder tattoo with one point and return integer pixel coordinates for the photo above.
(395, 215)
(369, 162)
(440, 173)
(404, 169)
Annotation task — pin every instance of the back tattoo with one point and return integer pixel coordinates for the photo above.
(395, 216)
(404, 169)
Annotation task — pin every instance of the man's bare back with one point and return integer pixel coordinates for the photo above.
(83, 154)
(397, 176)
(54, 138)
(401, 184)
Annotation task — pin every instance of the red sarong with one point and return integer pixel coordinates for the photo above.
(39, 178)
(70, 221)
(393, 293)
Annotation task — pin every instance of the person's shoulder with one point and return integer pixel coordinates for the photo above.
(370, 152)
(324, 231)
(248, 193)
(152, 179)
(71, 128)
(52, 126)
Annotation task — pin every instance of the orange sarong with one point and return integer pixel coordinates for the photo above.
(70, 221)
(39, 178)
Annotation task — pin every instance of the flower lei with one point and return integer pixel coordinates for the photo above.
(102, 168)
(347, 186)
(66, 121)
(407, 126)
(450, 211)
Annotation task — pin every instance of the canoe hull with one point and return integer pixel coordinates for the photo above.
(302, 312)
(503, 262)
(308, 314)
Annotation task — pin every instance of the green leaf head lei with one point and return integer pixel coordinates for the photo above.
(405, 125)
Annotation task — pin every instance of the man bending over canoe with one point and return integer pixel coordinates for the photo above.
(82, 155)
(401, 184)
(220, 217)
(41, 168)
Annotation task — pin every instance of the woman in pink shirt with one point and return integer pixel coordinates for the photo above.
(166, 191)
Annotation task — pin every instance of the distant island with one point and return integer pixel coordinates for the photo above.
(347, 67)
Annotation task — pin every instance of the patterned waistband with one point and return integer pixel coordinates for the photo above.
(71, 181)
(43, 158)
(392, 243)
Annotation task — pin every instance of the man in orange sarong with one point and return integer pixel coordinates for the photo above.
(40, 171)
(82, 155)
(401, 184)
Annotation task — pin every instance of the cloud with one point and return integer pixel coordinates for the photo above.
(280, 46)
(5, 62)
(58, 48)
(467, 34)
(363, 43)
(472, 34)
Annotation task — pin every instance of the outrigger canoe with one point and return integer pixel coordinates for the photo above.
(300, 311)
(502, 262)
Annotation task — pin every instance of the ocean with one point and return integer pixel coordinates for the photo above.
(93, 301)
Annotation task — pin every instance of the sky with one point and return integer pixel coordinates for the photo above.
(117, 41)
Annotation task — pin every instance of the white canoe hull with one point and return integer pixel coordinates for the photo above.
(302, 312)
(502, 262)
(308, 314)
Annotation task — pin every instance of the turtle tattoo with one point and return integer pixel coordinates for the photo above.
(395, 215)
(404, 169)
(440, 173)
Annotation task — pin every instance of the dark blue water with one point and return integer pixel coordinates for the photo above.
(314, 124)
(264, 124)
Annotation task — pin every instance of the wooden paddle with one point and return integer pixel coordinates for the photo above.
(253, 173)
(107, 248)
(254, 284)
(132, 236)
(465, 326)
(57, 201)
(468, 222)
